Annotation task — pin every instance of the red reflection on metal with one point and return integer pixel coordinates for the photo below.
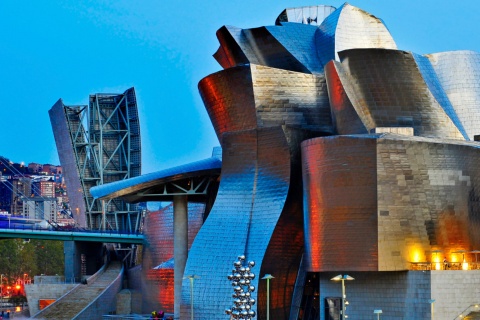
(228, 98)
(341, 208)
(164, 280)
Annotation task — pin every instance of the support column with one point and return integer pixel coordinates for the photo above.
(180, 246)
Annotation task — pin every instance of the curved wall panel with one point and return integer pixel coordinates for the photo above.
(346, 119)
(381, 202)
(279, 97)
(339, 185)
(459, 75)
(387, 87)
(250, 199)
(350, 27)
(228, 98)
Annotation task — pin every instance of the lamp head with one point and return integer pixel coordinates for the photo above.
(377, 311)
(268, 276)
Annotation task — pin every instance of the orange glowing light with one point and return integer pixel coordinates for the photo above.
(17, 287)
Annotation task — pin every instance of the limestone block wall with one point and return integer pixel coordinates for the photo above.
(454, 291)
(400, 295)
(47, 290)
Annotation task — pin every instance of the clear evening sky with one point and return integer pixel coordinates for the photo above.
(70, 49)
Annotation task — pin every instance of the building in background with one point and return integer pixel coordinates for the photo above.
(44, 188)
(40, 208)
(99, 143)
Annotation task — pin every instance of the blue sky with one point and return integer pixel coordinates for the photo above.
(70, 49)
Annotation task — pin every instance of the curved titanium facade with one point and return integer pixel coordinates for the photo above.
(260, 122)
(459, 75)
(386, 89)
(350, 27)
(387, 173)
(379, 202)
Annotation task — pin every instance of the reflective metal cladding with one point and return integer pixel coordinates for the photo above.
(373, 200)
(391, 163)
(340, 153)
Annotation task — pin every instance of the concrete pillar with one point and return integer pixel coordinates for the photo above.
(72, 262)
(180, 246)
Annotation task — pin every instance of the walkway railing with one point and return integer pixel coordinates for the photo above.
(444, 266)
(466, 312)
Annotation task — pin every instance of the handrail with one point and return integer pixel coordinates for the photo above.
(468, 310)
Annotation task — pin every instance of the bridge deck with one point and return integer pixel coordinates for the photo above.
(93, 236)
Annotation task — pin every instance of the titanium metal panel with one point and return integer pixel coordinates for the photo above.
(299, 40)
(290, 46)
(345, 117)
(157, 256)
(61, 131)
(403, 196)
(387, 89)
(250, 201)
(340, 222)
(458, 72)
(435, 87)
(270, 52)
(350, 27)
(234, 48)
(243, 98)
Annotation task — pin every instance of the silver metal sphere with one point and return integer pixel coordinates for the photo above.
(251, 313)
(241, 257)
(228, 311)
(251, 288)
(251, 263)
(247, 282)
(251, 301)
(238, 288)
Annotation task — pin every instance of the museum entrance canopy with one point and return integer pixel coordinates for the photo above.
(194, 179)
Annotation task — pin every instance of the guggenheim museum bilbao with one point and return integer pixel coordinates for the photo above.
(342, 155)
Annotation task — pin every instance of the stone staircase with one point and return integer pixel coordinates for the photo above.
(74, 302)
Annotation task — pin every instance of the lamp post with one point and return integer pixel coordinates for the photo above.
(191, 277)
(268, 277)
(377, 312)
(342, 278)
(432, 301)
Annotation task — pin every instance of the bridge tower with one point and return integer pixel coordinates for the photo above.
(97, 144)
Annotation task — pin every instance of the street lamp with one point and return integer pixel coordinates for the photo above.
(377, 312)
(432, 301)
(342, 278)
(268, 277)
(191, 277)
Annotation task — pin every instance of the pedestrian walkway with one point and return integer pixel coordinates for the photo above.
(74, 302)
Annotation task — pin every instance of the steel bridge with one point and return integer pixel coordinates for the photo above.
(75, 235)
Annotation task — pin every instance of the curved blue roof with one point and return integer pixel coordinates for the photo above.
(210, 166)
